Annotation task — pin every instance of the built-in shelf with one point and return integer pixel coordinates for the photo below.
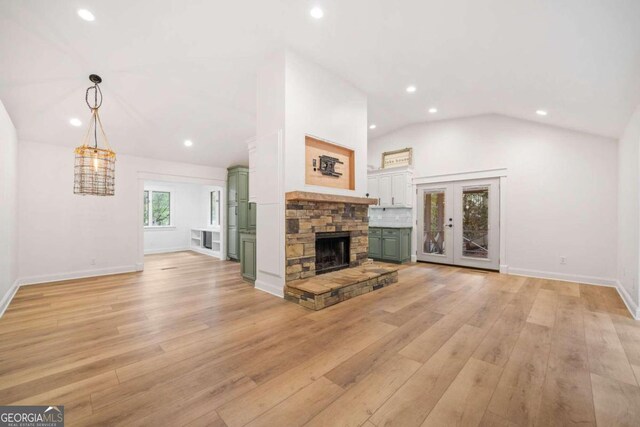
(207, 241)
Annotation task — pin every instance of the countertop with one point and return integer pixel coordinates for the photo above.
(390, 226)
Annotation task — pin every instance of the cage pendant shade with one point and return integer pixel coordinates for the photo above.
(94, 171)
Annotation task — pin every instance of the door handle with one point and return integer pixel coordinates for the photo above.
(236, 210)
(449, 225)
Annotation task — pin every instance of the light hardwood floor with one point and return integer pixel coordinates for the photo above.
(187, 342)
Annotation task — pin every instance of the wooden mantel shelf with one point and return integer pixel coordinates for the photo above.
(307, 196)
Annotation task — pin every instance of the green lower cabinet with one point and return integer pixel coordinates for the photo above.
(252, 216)
(375, 247)
(405, 244)
(232, 243)
(390, 244)
(391, 249)
(248, 256)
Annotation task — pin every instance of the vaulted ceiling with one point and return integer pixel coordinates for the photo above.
(176, 70)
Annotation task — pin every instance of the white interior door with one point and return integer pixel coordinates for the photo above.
(435, 223)
(458, 223)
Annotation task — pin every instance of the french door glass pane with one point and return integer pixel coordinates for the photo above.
(475, 222)
(433, 239)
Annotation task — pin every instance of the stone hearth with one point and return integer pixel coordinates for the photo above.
(328, 289)
(311, 213)
(308, 214)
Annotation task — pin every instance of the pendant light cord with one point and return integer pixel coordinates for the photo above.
(94, 109)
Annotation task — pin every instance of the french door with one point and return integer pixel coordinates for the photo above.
(458, 223)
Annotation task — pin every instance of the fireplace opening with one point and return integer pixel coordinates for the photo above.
(332, 251)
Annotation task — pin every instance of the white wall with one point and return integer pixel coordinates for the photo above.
(60, 233)
(297, 98)
(322, 105)
(8, 208)
(560, 193)
(190, 209)
(629, 211)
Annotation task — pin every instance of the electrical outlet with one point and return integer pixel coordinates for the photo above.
(563, 260)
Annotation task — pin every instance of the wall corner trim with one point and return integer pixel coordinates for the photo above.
(628, 301)
(8, 297)
(269, 288)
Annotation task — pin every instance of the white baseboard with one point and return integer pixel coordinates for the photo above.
(414, 258)
(628, 301)
(208, 252)
(504, 269)
(35, 280)
(269, 288)
(6, 299)
(590, 280)
(165, 250)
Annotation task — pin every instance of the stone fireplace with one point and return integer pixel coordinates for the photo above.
(309, 222)
(332, 251)
(327, 250)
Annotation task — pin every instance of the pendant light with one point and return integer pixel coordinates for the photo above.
(95, 166)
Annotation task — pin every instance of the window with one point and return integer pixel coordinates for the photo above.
(214, 208)
(157, 208)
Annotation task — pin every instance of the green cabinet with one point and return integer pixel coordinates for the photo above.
(238, 215)
(252, 216)
(375, 243)
(243, 215)
(390, 244)
(232, 187)
(248, 255)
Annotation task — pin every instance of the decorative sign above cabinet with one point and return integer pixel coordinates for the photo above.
(328, 165)
(397, 158)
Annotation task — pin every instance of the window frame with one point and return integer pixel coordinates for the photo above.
(217, 223)
(150, 190)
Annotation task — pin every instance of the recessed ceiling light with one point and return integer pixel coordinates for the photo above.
(86, 15)
(372, 126)
(188, 143)
(316, 12)
(541, 113)
(75, 122)
(433, 110)
(411, 89)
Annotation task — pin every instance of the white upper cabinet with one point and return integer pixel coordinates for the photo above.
(385, 190)
(373, 187)
(392, 188)
(399, 189)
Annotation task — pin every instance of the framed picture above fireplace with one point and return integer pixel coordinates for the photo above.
(329, 165)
